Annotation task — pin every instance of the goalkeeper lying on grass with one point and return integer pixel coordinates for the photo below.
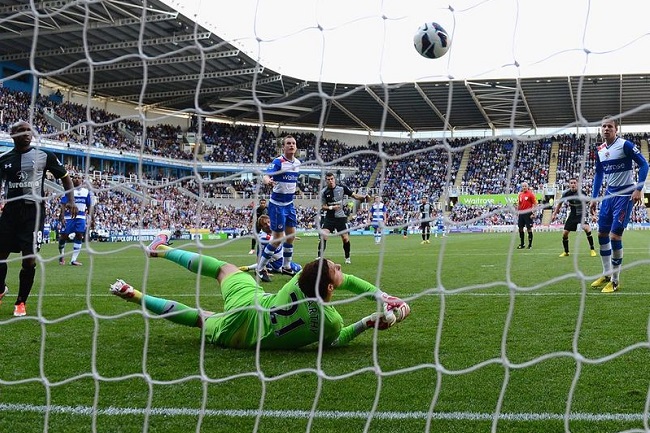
(290, 319)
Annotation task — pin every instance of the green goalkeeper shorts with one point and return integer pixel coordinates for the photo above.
(237, 326)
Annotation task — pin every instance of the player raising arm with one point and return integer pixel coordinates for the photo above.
(292, 318)
(576, 216)
(335, 218)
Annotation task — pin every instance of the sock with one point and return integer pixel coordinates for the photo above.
(76, 249)
(172, 310)
(265, 257)
(287, 254)
(346, 249)
(521, 238)
(530, 239)
(590, 238)
(617, 258)
(26, 281)
(322, 245)
(605, 254)
(61, 248)
(209, 266)
(565, 244)
(3, 274)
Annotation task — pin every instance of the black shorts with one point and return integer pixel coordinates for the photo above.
(335, 224)
(21, 227)
(426, 225)
(525, 220)
(572, 222)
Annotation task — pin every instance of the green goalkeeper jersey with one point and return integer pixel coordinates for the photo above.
(286, 320)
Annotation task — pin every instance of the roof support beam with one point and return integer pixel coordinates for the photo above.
(521, 94)
(176, 96)
(90, 26)
(430, 103)
(164, 40)
(153, 62)
(479, 105)
(174, 79)
(348, 113)
(387, 108)
(501, 104)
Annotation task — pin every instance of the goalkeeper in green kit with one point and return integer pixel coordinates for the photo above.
(290, 319)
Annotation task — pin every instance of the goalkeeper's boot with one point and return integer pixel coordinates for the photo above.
(161, 238)
(123, 289)
(593, 253)
(564, 254)
(600, 282)
(610, 287)
(4, 292)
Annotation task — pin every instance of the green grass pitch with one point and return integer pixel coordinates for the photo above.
(491, 329)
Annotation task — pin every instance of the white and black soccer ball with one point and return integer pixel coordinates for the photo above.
(431, 40)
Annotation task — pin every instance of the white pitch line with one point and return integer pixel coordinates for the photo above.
(475, 292)
(302, 414)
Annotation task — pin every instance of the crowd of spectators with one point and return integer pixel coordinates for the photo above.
(400, 172)
(499, 166)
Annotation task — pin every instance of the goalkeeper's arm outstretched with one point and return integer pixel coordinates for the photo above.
(298, 315)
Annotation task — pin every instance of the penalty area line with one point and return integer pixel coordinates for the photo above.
(304, 414)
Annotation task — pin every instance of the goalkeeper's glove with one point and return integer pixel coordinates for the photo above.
(381, 321)
(396, 306)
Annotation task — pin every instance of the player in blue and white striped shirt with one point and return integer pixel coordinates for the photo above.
(378, 218)
(282, 173)
(614, 165)
(74, 228)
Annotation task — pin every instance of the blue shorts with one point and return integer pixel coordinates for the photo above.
(282, 217)
(276, 266)
(75, 225)
(614, 214)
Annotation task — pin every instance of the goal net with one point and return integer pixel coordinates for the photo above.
(170, 112)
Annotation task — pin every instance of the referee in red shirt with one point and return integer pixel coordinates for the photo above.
(527, 202)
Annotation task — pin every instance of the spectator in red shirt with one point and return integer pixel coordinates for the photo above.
(527, 202)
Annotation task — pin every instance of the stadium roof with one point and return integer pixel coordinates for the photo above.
(95, 47)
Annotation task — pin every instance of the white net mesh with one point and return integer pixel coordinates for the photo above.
(498, 339)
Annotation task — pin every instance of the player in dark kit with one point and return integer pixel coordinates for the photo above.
(576, 216)
(21, 225)
(261, 210)
(424, 212)
(335, 219)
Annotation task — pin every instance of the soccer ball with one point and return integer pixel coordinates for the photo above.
(431, 40)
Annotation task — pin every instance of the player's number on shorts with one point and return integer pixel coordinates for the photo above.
(286, 312)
